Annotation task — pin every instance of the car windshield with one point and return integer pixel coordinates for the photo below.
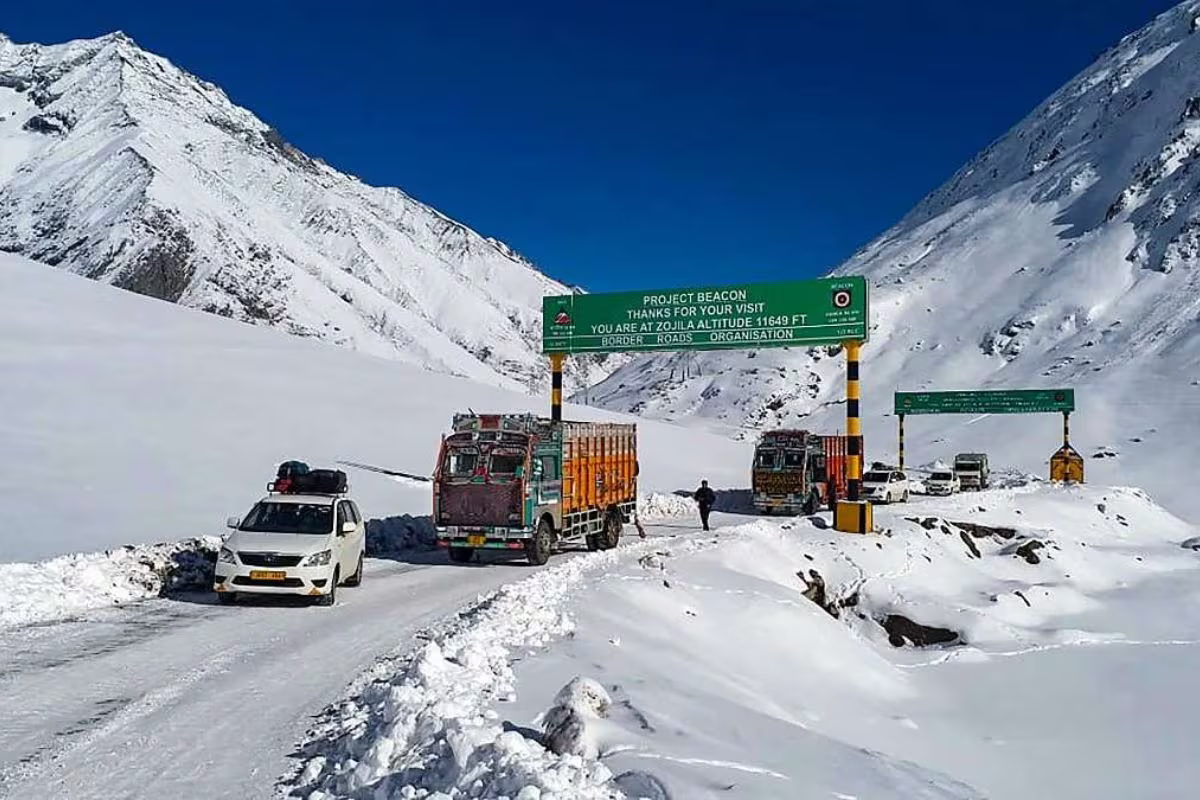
(765, 459)
(941, 476)
(876, 477)
(273, 517)
(505, 462)
(461, 463)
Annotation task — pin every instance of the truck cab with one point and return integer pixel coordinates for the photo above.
(972, 470)
(795, 471)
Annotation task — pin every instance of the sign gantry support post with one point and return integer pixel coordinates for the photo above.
(853, 515)
(556, 366)
(900, 417)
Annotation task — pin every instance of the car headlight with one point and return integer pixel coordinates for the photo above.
(318, 559)
(226, 556)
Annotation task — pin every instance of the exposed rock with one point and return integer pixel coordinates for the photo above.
(902, 630)
(1028, 551)
(984, 531)
(566, 723)
(970, 544)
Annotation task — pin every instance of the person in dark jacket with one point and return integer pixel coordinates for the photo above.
(705, 497)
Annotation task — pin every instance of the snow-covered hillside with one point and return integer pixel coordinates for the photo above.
(981, 646)
(119, 166)
(125, 419)
(1066, 254)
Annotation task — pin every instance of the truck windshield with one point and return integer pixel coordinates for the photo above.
(504, 463)
(793, 459)
(461, 462)
(271, 517)
(765, 459)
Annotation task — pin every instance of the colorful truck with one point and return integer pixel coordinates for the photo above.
(521, 482)
(798, 472)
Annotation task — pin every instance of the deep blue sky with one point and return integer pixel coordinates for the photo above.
(626, 144)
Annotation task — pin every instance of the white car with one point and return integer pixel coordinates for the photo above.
(885, 486)
(942, 482)
(299, 544)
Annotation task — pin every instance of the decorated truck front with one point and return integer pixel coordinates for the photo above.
(520, 482)
(797, 472)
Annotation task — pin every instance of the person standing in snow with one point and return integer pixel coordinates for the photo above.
(705, 498)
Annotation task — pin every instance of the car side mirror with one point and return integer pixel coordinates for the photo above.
(347, 527)
(233, 522)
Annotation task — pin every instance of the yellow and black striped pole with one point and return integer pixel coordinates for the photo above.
(1066, 429)
(901, 418)
(853, 423)
(556, 365)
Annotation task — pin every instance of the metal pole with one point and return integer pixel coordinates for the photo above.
(556, 365)
(853, 422)
(1066, 429)
(901, 417)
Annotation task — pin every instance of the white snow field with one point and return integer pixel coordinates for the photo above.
(130, 420)
(698, 669)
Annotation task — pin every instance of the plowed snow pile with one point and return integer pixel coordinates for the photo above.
(1003, 644)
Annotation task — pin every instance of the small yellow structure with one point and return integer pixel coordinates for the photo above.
(1066, 465)
(851, 516)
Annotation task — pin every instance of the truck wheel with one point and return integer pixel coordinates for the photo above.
(461, 555)
(593, 541)
(612, 531)
(537, 549)
(227, 598)
(811, 504)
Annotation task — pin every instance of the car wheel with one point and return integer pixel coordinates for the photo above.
(537, 549)
(331, 598)
(357, 578)
(227, 598)
(905, 499)
(461, 555)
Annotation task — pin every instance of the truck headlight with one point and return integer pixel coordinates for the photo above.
(318, 559)
(226, 556)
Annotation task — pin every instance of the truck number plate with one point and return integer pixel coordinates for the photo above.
(267, 575)
(476, 541)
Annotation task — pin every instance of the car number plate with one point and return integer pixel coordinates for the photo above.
(476, 541)
(267, 575)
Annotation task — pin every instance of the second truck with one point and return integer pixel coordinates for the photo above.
(798, 472)
(521, 482)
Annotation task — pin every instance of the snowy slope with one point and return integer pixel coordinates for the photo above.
(699, 667)
(117, 165)
(1066, 254)
(125, 419)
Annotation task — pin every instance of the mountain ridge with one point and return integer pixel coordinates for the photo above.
(127, 169)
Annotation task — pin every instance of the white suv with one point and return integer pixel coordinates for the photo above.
(302, 544)
(942, 481)
(885, 486)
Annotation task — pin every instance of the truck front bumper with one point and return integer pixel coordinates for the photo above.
(483, 537)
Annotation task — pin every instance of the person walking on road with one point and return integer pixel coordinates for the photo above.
(705, 498)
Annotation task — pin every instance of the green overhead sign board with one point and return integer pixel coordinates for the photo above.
(1013, 401)
(795, 313)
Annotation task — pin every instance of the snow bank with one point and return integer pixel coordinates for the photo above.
(665, 506)
(424, 725)
(69, 585)
(765, 656)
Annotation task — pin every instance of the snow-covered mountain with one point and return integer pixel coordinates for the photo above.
(1067, 253)
(117, 165)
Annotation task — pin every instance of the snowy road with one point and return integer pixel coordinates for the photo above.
(175, 697)
(172, 697)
